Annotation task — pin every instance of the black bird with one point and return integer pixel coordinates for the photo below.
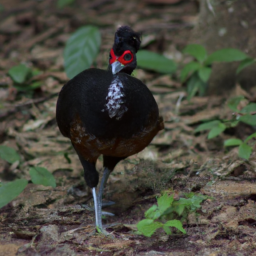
(109, 113)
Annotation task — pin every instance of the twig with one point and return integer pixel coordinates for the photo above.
(98, 3)
(172, 26)
(210, 7)
(177, 107)
(26, 104)
(41, 37)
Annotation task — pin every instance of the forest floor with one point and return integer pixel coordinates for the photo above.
(47, 221)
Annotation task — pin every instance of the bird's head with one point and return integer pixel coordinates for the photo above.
(126, 62)
(122, 57)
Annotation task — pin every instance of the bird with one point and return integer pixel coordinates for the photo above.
(108, 112)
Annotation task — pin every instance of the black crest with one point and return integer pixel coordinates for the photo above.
(126, 38)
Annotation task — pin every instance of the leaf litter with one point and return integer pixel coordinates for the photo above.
(59, 221)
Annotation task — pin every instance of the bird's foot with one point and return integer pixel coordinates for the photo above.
(103, 231)
(108, 213)
(107, 203)
(87, 207)
(76, 192)
(90, 230)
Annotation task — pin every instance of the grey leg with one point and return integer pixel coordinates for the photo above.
(97, 217)
(99, 197)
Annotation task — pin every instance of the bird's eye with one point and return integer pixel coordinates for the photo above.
(110, 57)
(127, 56)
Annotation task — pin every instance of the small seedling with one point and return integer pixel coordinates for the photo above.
(21, 74)
(245, 115)
(63, 3)
(169, 213)
(10, 190)
(197, 73)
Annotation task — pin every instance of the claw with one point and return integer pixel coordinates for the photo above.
(106, 204)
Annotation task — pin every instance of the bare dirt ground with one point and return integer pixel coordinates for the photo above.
(47, 221)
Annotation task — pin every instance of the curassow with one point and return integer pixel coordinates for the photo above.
(109, 113)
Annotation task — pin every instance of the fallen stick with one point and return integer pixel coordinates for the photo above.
(26, 104)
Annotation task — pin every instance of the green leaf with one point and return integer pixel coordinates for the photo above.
(215, 131)
(245, 63)
(248, 119)
(28, 87)
(81, 49)
(148, 227)
(156, 62)
(193, 86)
(207, 126)
(19, 73)
(244, 151)
(192, 203)
(204, 73)
(167, 230)
(232, 142)
(250, 137)
(189, 68)
(184, 202)
(197, 51)
(35, 85)
(196, 200)
(164, 202)
(151, 209)
(234, 123)
(1, 8)
(42, 176)
(35, 72)
(63, 3)
(179, 207)
(177, 224)
(234, 102)
(67, 157)
(202, 88)
(10, 190)
(251, 107)
(152, 213)
(9, 154)
(226, 55)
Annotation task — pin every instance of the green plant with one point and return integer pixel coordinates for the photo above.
(156, 62)
(8, 154)
(42, 176)
(244, 150)
(81, 49)
(63, 3)
(165, 213)
(10, 190)
(197, 72)
(245, 115)
(1, 8)
(21, 74)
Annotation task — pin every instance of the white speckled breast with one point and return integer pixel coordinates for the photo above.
(115, 100)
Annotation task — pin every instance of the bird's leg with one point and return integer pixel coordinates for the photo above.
(103, 182)
(98, 213)
(95, 199)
